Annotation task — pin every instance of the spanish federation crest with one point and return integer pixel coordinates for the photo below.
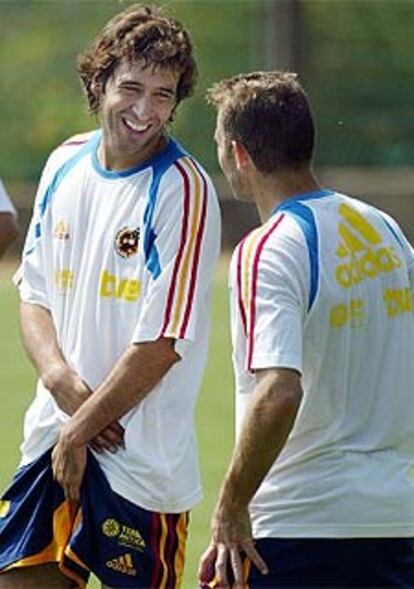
(126, 242)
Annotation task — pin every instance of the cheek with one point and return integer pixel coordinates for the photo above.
(164, 112)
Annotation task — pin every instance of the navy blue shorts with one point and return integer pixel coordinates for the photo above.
(332, 563)
(121, 543)
(336, 563)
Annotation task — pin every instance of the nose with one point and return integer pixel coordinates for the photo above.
(142, 107)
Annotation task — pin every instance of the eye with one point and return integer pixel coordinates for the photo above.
(165, 96)
(126, 89)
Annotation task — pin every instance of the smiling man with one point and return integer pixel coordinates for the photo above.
(115, 287)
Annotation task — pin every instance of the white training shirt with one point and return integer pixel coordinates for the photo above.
(6, 205)
(118, 258)
(325, 287)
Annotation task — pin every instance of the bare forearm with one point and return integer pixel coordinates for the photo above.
(68, 389)
(40, 342)
(139, 369)
(41, 345)
(267, 424)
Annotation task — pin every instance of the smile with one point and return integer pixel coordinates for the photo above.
(135, 127)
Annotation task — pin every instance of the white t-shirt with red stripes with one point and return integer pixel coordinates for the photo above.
(325, 287)
(123, 257)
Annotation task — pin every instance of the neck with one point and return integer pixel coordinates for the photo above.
(112, 158)
(272, 190)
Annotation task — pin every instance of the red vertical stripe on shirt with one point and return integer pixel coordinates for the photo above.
(240, 286)
(196, 258)
(178, 259)
(254, 289)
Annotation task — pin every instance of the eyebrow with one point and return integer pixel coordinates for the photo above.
(138, 85)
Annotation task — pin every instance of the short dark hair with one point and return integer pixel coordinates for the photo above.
(139, 32)
(269, 113)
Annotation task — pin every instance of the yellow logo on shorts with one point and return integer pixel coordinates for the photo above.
(123, 564)
(111, 528)
(126, 536)
(131, 538)
(4, 508)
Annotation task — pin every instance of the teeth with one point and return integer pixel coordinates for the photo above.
(135, 126)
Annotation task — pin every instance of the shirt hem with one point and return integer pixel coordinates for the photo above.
(269, 361)
(158, 506)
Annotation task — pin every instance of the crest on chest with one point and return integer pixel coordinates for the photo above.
(127, 242)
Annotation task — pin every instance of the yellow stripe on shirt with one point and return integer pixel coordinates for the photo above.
(185, 273)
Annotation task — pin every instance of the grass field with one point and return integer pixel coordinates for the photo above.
(214, 411)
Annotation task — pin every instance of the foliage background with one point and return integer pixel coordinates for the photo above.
(354, 56)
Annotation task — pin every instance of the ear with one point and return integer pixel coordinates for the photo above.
(241, 155)
(96, 88)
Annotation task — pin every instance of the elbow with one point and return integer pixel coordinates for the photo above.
(284, 391)
(289, 399)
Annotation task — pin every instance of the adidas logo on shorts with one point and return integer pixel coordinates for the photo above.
(123, 564)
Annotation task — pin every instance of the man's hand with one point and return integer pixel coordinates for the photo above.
(70, 392)
(231, 538)
(68, 465)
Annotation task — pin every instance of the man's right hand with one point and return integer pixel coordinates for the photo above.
(70, 392)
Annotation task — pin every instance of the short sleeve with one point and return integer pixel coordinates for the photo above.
(182, 257)
(30, 277)
(407, 248)
(274, 302)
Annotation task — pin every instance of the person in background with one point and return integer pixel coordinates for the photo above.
(320, 488)
(115, 288)
(8, 220)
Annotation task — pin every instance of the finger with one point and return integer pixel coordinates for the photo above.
(117, 428)
(255, 557)
(236, 565)
(114, 437)
(96, 448)
(72, 491)
(221, 565)
(53, 462)
(206, 565)
(103, 443)
(71, 486)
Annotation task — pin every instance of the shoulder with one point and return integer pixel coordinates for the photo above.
(280, 233)
(68, 149)
(78, 139)
(186, 178)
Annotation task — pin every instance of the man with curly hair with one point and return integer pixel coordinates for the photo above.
(320, 489)
(115, 286)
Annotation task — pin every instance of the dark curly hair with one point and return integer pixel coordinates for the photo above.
(139, 32)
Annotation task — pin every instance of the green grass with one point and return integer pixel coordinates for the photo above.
(214, 411)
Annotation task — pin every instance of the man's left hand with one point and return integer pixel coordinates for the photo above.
(68, 464)
(232, 537)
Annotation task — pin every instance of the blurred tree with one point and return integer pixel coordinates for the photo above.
(354, 56)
